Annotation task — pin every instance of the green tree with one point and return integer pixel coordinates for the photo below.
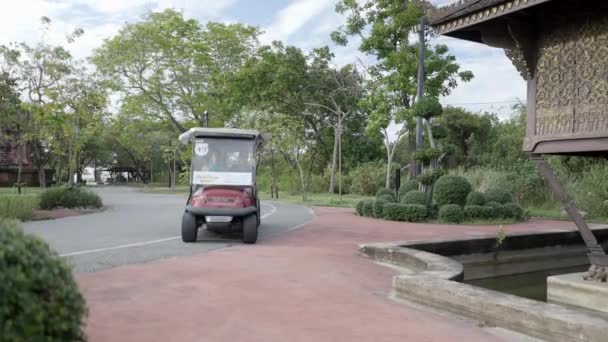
(176, 69)
(14, 121)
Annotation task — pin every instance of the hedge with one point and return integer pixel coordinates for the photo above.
(379, 207)
(416, 197)
(498, 209)
(514, 211)
(386, 198)
(405, 212)
(367, 208)
(451, 189)
(40, 300)
(69, 197)
(497, 195)
(451, 213)
(385, 192)
(359, 207)
(411, 185)
(476, 198)
(472, 212)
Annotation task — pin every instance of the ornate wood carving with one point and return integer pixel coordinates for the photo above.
(572, 71)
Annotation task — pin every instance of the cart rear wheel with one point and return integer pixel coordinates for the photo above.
(189, 228)
(250, 229)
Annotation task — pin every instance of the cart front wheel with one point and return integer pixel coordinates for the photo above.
(250, 229)
(189, 229)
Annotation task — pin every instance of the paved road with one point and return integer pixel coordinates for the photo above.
(140, 227)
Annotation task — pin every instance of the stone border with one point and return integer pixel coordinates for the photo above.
(433, 280)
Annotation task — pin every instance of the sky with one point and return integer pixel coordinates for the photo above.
(303, 23)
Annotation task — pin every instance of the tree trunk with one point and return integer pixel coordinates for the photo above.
(274, 191)
(302, 183)
(19, 170)
(340, 156)
(334, 159)
(41, 176)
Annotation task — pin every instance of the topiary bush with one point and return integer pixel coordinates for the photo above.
(405, 212)
(416, 197)
(487, 212)
(476, 198)
(385, 191)
(514, 211)
(387, 198)
(69, 197)
(450, 189)
(379, 207)
(498, 209)
(359, 207)
(497, 195)
(367, 208)
(411, 185)
(472, 212)
(451, 213)
(40, 300)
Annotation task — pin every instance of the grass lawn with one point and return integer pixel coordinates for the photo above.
(555, 214)
(321, 200)
(25, 190)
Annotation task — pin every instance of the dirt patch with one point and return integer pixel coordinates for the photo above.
(40, 214)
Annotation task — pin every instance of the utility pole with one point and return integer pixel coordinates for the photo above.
(419, 123)
(206, 119)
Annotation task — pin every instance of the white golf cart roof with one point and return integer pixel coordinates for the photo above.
(202, 132)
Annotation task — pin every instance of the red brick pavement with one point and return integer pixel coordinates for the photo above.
(306, 285)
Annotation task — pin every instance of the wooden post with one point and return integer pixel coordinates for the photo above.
(596, 255)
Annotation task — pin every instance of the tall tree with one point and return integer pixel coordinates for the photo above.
(384, 27)
(14, 121)
(177, 68)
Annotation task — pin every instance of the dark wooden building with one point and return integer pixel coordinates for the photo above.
(10, 154)
(560, 47)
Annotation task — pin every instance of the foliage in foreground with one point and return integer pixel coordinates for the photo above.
(451, 189)
(19, 207)
(69, 197)
(451, 213)
(40, 300)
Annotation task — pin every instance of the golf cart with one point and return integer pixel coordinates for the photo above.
(223, 191)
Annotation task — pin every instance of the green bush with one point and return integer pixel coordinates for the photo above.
(385, 191)
(387, 198)
(18, 206)
(411, 185)
(451, 189)
(416, 197)
(473, 211)
(367, 208)
(379, 207)
(488, 212)
(514, 211)
(497, 195)
(40, 300)
(498, 209)
(476, 198)
(69, 197)
(404, 212)
(359, 207)
(367, 178)
(451, 213)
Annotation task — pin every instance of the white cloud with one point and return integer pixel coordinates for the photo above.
(294, 17)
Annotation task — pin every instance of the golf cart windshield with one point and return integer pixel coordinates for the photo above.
(219, 161)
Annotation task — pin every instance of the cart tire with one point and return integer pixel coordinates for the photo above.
(250, 229)
(189, 229)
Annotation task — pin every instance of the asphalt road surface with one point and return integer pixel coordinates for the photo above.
(139, 227)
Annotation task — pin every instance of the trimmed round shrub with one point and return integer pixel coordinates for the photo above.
(359, 207)
(498, 209)
(40, 300)
(512, 210)
(416, 197)
(497, 195)
(379, 207)
(69, 197)
(451, 213)
(451, 189)
(472, 212)
(487, 212)
(385, 191)
(404, 212)
(411, 185)
(367, 208)
(476, 198)
(387, 198)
